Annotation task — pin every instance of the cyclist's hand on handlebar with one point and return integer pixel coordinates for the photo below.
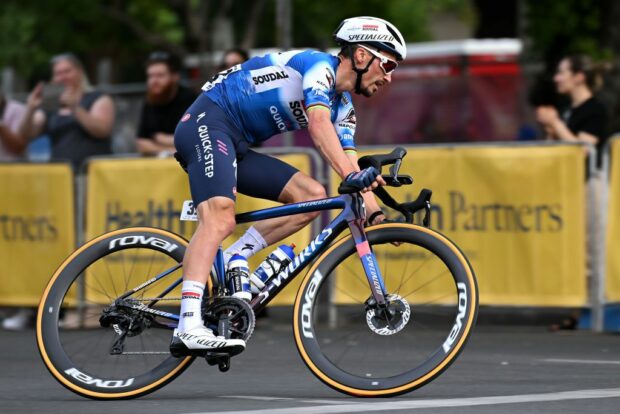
(365, 180)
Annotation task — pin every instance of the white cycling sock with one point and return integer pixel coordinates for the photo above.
(247, 246)
(191, 299)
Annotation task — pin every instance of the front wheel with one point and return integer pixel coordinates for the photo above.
(357, 348)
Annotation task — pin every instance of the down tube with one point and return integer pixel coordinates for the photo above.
(316, 247)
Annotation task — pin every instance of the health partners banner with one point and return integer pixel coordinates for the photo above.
(150, 192)
(516, 212)
(37, 228)
(612, 266)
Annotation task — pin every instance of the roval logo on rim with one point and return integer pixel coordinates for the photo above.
(153, 241)
(306, 316)
(87, 379)
(458, 324)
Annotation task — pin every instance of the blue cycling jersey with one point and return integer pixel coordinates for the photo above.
(267, 95)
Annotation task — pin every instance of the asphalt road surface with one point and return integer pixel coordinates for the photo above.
(504, 369)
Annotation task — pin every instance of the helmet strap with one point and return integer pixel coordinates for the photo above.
(359, 72)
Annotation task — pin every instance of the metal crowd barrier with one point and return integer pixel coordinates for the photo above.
(597, 206)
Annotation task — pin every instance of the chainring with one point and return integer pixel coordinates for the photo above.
(234, 314)
(392, 320)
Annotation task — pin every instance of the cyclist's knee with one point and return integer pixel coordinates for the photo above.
(313, 191)
(217, 216)
(316, 191)
(302, 188)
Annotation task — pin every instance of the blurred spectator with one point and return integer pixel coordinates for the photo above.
(11, 114)
(77, 118)
(585, 120)
(165, 103)
(233, 57)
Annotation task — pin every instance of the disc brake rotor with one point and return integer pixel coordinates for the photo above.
(391, 319)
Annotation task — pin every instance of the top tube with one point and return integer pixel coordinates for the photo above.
(291, 209)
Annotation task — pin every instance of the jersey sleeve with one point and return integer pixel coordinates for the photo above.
(318, 80)
(345, 123)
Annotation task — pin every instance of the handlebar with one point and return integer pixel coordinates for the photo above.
(395, 158)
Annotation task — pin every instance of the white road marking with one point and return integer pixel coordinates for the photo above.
(582, 361)
(265, 398)
(437, 403)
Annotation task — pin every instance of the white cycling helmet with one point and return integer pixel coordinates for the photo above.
(374, 32)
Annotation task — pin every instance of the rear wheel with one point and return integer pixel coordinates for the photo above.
(97, 345)
(358, 348)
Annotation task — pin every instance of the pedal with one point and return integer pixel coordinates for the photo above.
(222, 360)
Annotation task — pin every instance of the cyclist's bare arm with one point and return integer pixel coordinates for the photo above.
(326, 140)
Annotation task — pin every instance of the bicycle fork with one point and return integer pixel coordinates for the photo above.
(367, 256)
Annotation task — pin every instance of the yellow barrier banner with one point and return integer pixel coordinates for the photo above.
(516, 212)
(150, 192)
(612, 266)
(37, 228)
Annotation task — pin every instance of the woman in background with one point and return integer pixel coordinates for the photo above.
(585, 120)
(81, 125)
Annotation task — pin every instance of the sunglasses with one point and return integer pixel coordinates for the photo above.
(388, 65)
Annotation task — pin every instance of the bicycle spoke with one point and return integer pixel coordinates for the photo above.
(433, 279)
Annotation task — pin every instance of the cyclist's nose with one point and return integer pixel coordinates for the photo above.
(388, 78)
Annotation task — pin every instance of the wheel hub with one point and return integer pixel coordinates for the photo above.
(391, 319)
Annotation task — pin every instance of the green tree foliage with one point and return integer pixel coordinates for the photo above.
(558, 28)
(315, 21)
(33, 31)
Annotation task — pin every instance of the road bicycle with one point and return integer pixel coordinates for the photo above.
(381, 311)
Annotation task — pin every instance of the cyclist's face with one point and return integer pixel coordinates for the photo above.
(159, 78)
(375, 79)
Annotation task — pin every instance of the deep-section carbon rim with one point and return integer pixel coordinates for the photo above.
(337, 345)
(68, 350)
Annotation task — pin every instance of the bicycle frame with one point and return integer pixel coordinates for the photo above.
(352, 216)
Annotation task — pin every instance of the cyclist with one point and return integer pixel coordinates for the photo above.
(249, 103)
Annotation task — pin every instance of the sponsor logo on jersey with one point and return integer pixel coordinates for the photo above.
(321, 93)
(269, 77)
(207, 150)
(350, 118)
(277, 118)
(186, 117)
(371, 37)
(299, 114)
(330, 79)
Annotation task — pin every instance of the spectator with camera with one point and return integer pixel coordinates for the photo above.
(165, 102)
(77, 118)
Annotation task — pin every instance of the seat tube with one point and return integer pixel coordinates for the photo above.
(369, 261)
(220, 267)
